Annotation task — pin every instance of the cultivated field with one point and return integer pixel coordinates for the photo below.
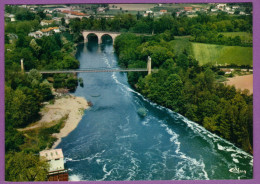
(245, 37)
(242, 82)
(220, 54)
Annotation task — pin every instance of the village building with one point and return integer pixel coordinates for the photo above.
(46, 22)
(101, 9)
(163, 11)
(55, 157)
(36, 34)
(148, 11)
(221, 6)
(188, 8)
(214, 10)
(50, 30)
(11, 16)
(47, 11)
(227, 70)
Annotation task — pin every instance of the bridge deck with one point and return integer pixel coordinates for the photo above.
(94, 70)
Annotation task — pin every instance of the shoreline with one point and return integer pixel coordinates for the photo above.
(75, 106)
(69, 105)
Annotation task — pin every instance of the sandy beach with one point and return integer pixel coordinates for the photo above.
(68, 105)
(242, 82)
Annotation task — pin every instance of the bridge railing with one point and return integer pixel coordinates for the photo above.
(93, 70)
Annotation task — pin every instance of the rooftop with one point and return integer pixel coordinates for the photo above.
(52, 154)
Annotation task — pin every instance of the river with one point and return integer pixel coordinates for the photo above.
(112, 141)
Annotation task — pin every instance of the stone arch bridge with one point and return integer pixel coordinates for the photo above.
(99, 34)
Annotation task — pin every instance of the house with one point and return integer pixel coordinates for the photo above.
(228, 8)
(11, 16)
(48, 31)
(57, 19)
(101, 9)
(235, 7)
(187, 8)
(214, 10)
(46, 22)
(221, 6)
(36, 34)
(55, 157)
(226, 70)
(148, 11)
(163, 11)
(47, 11)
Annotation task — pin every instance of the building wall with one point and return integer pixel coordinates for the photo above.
(59, 177)
(56, 165)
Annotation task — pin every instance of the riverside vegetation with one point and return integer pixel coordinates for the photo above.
(25, 93)
(188, 88)
(181, 84)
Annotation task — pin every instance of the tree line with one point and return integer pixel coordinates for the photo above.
(184, 86)
(26, 92)
(203, 28)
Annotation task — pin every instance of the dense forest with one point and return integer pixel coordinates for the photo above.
(184, 86)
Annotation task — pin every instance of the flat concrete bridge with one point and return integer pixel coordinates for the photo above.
(95, 70)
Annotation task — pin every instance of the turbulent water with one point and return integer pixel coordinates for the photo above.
(113, 142)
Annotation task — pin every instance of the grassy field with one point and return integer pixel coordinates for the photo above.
(180, 43)
(245, 37)
(206, 53)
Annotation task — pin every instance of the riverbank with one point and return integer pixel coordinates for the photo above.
(67, 106)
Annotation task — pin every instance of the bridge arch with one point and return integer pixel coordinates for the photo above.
(91, 36)
(108, 36)
(100, 34)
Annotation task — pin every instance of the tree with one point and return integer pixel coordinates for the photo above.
(25, 167)
(7, 39)
(41, 14)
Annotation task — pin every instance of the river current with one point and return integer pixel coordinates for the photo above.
(113, 142)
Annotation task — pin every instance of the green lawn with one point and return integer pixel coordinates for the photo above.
(206, 53)
(180, 43)
(245, 37)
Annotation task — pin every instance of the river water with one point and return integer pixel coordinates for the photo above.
(112, 141)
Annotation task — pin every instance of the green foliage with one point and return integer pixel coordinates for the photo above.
(13, 139)
(20, 166)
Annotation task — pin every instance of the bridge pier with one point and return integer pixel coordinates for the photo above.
(85, 39)
(149, 65)
(99, 39)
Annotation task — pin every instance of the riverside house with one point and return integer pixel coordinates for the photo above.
(55, 157)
